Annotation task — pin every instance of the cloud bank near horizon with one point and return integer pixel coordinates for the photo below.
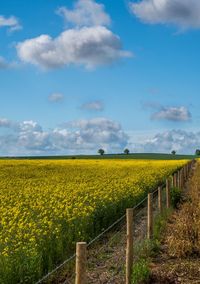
(182, 141)
(86, 136)
(80, 136)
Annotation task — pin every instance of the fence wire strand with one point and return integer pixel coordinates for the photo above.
(48, 275)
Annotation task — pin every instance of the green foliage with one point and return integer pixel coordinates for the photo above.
(173, 152)
(160, 223)
(144, 249)
(147, 249)
(101, 152)
(176, 196)
(135, 156)
(141, 271)
(197, 152)
(126, 151)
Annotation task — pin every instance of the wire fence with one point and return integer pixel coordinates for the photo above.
(107, 252)
(63, 273)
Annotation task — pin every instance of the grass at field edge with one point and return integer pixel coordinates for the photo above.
(143, 156)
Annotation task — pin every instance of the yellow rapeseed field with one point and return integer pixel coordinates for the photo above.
(48, 205)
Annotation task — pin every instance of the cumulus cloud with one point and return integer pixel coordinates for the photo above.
(99, 131)
(56, 97)
(182, 13)
(87, 136)
(184, 142)
(88, 46)
(4, 122)
(85, 13)
(11, 22)
(29, 126)
(88, 43)
(93, 106)
(28, 137)
(172, 114)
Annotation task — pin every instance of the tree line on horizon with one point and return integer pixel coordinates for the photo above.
(127, 151)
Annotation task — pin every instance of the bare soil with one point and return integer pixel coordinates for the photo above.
(173, 270)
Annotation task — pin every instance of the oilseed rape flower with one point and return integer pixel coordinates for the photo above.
(48, 205)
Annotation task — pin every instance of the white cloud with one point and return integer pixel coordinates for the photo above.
(89, 43)
(99, 131)
(29, 126)
(12, 23)
(56, 97)
(88, 46)
(172, 114)
(93, 106)
(28, 137)
(4, 122)
(85, 13)
(182, 13)
(184, 142)
(87, 136)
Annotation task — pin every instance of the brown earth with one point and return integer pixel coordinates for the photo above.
(182, 237)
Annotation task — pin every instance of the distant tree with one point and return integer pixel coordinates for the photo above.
(101, 152)
(173, 152)
(197, 152)
(126, 151)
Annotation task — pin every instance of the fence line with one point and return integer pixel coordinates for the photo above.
(177, 180)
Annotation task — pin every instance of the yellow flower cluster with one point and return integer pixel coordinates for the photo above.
(48, 205)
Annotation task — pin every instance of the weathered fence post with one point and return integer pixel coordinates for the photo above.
(167, 193)
(81, 259)
(178, 179)
(182, 177)
(150, 216)
(187, 169)
(174, 180)
(160, 199)
(129, 244)
(185, 173)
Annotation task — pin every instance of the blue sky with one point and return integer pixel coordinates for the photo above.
(79, 75)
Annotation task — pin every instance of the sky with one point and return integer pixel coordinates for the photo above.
(80, 75)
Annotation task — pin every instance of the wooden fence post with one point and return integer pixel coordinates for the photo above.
(179, 186)
(150, 216)
(174, 180)
(81, 259)
(182, 177)
(179, 179)
(167, 193)
(129, 245)
(160, 199)
(184, 173)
